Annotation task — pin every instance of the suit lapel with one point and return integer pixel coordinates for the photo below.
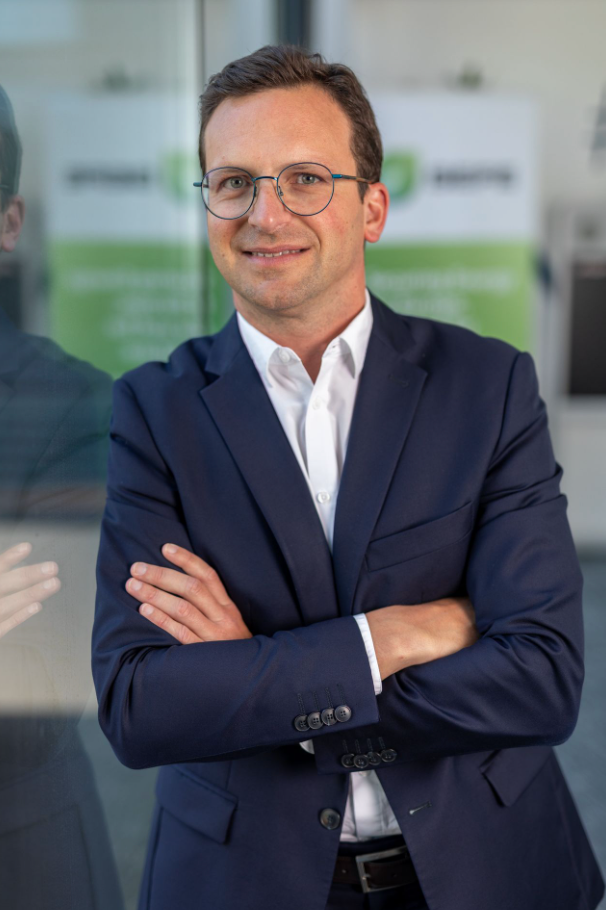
(240, 407)
(388, 393)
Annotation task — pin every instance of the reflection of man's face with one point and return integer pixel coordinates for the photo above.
(263, 133)
(11, 222)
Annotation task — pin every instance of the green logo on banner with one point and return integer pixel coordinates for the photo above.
(400, 174)
(178, 170)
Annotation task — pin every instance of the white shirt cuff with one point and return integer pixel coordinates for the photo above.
(370, 651)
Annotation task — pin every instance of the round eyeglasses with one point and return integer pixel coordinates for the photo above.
(304, 189)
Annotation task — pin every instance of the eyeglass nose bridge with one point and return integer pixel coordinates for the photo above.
(278, 188)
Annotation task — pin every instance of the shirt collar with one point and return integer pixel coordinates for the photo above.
(353, 340)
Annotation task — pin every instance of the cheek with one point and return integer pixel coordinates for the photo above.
(219, 237)
(345, 233)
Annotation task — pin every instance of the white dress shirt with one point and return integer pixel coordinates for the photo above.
(316, 418)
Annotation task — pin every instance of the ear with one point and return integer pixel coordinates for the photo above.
(12, 222)
(376, 206)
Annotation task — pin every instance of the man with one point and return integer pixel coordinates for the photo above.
(54, 412)
(344, 531)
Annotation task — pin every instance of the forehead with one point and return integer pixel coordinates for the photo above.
(278, 126)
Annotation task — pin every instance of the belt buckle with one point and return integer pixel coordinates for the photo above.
(366, 857)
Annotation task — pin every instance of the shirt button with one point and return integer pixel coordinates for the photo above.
(283, 355)
(323, 496)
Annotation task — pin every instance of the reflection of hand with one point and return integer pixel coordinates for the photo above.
(22, 589)
(201, 609)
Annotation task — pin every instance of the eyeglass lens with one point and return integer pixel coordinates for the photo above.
(305, 189)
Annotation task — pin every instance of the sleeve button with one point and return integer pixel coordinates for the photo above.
(301, 723)
(389, 755)
(314, 720)
(343, 713)
(328, 717)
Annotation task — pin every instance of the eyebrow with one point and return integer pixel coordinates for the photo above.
(277, 171)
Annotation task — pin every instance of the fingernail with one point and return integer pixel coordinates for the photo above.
(23, 548)
(135, 585)
(48, 568)
(170, 548)
(147, 610)
(139, 568)
(50, 584)
(34, 608)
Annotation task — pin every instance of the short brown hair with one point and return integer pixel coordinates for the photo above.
(287, 66)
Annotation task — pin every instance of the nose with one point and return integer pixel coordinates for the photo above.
(267, 212)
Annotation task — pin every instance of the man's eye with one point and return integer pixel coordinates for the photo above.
(308, 179)
(234, 183)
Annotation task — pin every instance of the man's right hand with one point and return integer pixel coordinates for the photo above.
(404, 635)
(22, 589)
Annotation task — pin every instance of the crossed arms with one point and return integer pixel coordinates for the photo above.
(450, 687)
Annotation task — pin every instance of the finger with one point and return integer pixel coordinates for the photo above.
(14, 555)
(197, 567)
(17, 618)
(188, 587)
(14, 602)
(178, 609)
(26, 576)
(181, 633)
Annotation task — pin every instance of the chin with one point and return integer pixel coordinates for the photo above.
(276, 299)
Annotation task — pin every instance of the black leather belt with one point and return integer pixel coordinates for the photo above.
(376, 871)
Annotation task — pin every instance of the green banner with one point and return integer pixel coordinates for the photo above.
(488, 288)
(118, 305)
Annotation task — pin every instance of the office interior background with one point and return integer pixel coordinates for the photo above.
(494, 115)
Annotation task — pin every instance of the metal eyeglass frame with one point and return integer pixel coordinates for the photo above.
(278, 191)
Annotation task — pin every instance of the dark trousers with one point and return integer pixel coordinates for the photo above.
(351, 897)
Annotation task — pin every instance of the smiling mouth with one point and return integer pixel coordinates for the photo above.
(254, 254)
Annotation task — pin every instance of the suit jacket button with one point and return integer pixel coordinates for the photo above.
(314, 720)
(361, 762)
(347, 760)
(374, 758)
(328, 717)
(330, 819)
(301, 723)
(388, 755)
(343, 713)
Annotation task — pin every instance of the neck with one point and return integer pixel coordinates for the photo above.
(306, 330)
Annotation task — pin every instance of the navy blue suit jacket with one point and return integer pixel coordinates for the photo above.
(449, 487)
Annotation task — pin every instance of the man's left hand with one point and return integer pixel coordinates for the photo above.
(191, 605)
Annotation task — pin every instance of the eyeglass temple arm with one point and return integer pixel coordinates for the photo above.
(349, 177)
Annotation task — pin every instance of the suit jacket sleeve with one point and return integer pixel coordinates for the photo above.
(161, 702)
(520, 683)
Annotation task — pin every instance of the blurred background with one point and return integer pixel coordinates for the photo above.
(493, 115)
